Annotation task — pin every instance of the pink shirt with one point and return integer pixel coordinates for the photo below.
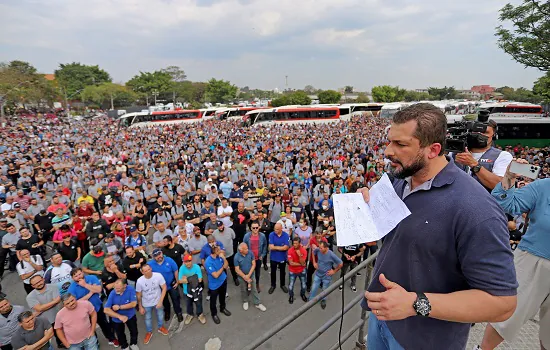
(58, 235)
(75, 323)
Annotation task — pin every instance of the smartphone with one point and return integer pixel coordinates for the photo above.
(526, 170)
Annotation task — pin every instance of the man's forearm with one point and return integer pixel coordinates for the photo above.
(48, 334)
(471, 306)
(487, 178)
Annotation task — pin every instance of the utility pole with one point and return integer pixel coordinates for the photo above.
(155, 93)
(286, 82)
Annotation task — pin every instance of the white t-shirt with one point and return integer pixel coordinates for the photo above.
(60, 276)
(24, 267)
(150, 289)
(226, 220)
(501, 163)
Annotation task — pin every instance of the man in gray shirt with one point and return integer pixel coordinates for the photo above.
(8, 321)
(34, 332)
(161, 232)
(33, 210)
(45, 299)
(195, 244)
(226, 235)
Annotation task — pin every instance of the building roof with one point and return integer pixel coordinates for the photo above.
(49, 76)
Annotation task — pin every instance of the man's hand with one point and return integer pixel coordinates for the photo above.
(92, 333)
(365, 192)
(393, 304)
(35, 245)
(466, 158)
(115, 307)
(82, 283)
(330, 272)
(142, 310)
(316, 266)
(184, 280)
(123, 318)
(159, 305)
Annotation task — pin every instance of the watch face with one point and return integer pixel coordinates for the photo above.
(423, 307)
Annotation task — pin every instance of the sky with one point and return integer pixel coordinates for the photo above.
(259, 43)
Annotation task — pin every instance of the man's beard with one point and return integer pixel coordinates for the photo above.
(418, 164)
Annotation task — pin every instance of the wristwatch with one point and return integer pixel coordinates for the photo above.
(476, 169)
(422, 305)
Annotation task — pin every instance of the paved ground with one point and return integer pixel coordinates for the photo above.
(242, 327)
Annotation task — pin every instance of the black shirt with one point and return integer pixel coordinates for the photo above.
(351, 250)
(175, 253)
(28, 243)
(133, 274)
(190, 216)
(110, 277)
(44, 222)
(69, 252)
(240, 220)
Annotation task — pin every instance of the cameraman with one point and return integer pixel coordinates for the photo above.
(484, 162)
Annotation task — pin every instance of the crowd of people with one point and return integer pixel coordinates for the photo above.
(103, 223)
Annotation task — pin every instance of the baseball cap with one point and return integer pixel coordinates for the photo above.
(209, 179)
(3, 219)
(133, 228)
(17, 205)
(188, 257)
(283, 214)
(157, 252)
(97, 251)
(219, 223)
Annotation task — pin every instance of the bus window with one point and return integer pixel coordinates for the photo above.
(344, 111)
(331, 113)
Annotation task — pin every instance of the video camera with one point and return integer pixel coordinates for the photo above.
(468, 133)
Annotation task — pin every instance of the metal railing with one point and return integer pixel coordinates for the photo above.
(360, 325)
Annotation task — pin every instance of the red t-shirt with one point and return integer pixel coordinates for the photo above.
(255, 246)
(294, 257)
(312, 241)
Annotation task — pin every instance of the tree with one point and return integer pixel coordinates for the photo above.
(443, 93)
(348, 89)
(329, 96)
(362, 98)
(113, 94)
(176, 73)
(542, 87)
(220, 91)
(299, 98)
(309, 89)
(386, 93)
(411, 96)
(22, 67)
(147, 83)
(281, 101)
(74, 77)
(528, 42)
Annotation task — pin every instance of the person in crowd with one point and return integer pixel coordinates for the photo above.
(160, 233)
(227, 238)
(135, 239)
(9, 242)
(59, 273)
(215, 266)
(477, 276)
(75, 323)
(132, 263)
(257, 244)
(112, 247)
(88, 287)
(121, 307)
(93, 262)
(70, 249)
(326, 264)
(351, 256)
(531, 259)
(34, 332)
(111, 273)
(240, 219)
(151, 291)
(45, 301)
(8, 322)
(63, 230)
(245, 264)
(278, 245)
(190, 277)
(97, 228)
(30, 265)
(297, 261)
(169, 270)
(195, 245)
(206, 250)
(173, 250)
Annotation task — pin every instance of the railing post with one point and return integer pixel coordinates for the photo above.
(360, 343)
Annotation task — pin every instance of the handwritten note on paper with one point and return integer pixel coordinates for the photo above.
(360, 222)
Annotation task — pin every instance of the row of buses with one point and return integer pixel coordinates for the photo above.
(517, 122)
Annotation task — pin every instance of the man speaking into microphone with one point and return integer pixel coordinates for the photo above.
(449, 263)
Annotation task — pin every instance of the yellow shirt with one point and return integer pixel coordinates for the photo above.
(88, 199)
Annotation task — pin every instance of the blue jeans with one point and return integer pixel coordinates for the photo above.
(149, 317)
(87, 344)
(379, 336)
(325, 280)
(190, 302)
(292, 278)
(175, 296)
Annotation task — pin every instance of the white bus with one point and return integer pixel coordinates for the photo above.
(389, 109)
(144, 119)
(292, 115)
(348, 110)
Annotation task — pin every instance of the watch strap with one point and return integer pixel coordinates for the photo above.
(421, 297)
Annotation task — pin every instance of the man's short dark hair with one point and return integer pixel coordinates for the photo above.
(23, 316)
(431, 123)
(323, 244)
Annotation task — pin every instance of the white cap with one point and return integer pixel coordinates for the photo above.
(209, 179)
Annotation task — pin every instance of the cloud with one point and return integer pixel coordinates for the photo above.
(257, 43)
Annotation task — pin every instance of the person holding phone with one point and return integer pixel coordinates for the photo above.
(531, 258)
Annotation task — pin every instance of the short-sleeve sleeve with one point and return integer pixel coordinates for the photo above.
(109, 302)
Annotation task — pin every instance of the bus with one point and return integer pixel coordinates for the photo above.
(348, 110)
(292, 115)
(144, 119)
(527, 131)
(234, 112)
(512, 109)
(389, 109)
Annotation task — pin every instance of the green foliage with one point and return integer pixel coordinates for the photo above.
(188, 91)
(310, 90)
(284, 100)
(22, 67)
(519, 95)
(329, 96)
(444, 93)
(411, 95)
(362, 98)
(292, 98)
(348, 89)
(177, 74)
(542, 87)
(74, 77)
(528, 42)
(110, 94)
(145, 83)
(386, 93)
(220, 91)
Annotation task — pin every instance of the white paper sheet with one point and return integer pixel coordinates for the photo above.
(359, 222)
